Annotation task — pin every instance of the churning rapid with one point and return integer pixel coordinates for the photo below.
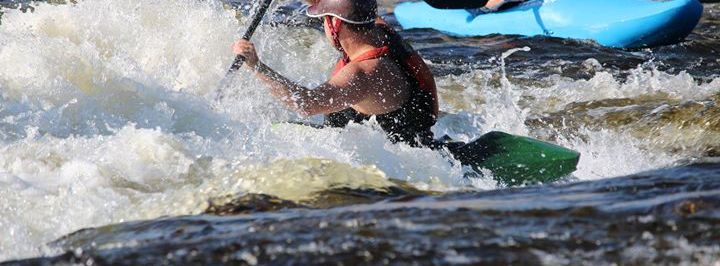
(108, 115)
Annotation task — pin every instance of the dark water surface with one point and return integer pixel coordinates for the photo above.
(667, 216)
(664, 217)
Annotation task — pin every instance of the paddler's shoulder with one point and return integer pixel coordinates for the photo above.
(362, 67)
(369, 71)
(376, 66)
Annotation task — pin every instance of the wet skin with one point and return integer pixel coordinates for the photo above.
(375, 86)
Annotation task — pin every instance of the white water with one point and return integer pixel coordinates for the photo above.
(106, 116)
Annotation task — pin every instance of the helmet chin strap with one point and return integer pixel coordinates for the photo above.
(334, 31)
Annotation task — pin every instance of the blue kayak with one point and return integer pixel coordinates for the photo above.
(613, 23)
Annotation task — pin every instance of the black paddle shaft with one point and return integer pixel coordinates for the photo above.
(239, 59)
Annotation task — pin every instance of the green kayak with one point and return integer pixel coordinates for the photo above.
(512, 160)
(516, 160)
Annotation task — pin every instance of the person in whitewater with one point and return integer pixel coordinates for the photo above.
(378, 77)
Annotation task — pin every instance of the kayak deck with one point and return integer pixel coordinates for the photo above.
(516, 160)
(512, 160)
(614, 23)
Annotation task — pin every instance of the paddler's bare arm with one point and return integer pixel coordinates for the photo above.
(337, 94)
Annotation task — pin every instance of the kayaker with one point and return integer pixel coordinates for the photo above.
(474, 6)
(378, 77)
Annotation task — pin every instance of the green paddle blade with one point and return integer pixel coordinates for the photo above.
(516, 160)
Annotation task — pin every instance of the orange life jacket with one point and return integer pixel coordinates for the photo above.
(410, 123)
(409, 60)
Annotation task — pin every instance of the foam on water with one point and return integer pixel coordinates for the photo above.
(106, 115)
(642, 82)
(483, 107)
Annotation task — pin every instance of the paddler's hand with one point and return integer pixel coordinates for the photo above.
(247, 50)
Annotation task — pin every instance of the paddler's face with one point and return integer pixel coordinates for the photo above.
(326, 26)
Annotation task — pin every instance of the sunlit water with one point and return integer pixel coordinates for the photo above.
(107, 114)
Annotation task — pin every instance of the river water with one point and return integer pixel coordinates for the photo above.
(108, 115)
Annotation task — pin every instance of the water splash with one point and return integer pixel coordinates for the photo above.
(106, 115)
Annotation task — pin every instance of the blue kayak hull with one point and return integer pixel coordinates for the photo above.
(613, 23)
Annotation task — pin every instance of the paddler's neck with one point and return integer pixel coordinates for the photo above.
(359, 43)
